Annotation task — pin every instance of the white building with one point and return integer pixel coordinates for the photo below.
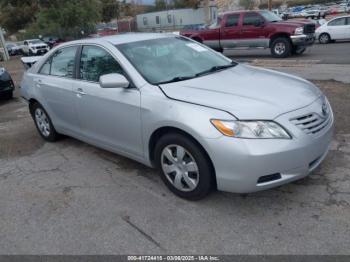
(175, 19)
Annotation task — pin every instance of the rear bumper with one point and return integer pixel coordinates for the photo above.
(6, 87)
(303, 40)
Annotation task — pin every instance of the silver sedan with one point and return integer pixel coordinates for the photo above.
(205, 121)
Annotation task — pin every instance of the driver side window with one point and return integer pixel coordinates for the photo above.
(95, 61)
(251, 19)
(337, 22)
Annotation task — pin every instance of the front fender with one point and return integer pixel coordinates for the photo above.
(158, 111)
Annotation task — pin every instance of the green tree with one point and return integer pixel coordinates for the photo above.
(160, 5)
(247, 4)
(17, 14)
(109, 9)
(66, 18)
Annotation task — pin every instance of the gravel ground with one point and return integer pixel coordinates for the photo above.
(72, 198)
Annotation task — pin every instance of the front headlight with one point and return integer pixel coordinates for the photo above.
(250, 129)
(299, 31)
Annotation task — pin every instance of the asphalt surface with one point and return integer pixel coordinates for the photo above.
(72, 198)
(333, 53)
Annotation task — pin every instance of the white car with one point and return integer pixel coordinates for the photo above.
(34, 47)
(335, 29)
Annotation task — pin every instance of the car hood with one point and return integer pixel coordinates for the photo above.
(246, 92)
(292, 23)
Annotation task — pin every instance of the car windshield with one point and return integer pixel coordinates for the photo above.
(270, 16)
(172, 59)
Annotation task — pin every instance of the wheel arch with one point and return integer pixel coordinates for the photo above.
(32, 102)
(161, 131)
(277, 35)
(197, 38)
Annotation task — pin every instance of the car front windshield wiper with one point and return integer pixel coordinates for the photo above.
(176, 79)
(216, 68)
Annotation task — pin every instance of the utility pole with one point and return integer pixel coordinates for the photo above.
(2, 44)
(270, 4)
(206, 12)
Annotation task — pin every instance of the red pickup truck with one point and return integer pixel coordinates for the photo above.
(256, 29)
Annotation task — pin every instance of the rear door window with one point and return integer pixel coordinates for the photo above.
(251, 19)
(337, 22)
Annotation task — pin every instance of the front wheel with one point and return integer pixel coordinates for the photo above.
(281, 47)
(324, 38)
(43, 123)
(184, 167)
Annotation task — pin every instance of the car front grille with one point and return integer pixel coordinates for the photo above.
(312, 123)
(309, 28)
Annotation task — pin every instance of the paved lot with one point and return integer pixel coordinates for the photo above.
(334, 53)
(72, 198)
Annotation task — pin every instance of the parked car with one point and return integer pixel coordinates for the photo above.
(314, 12)
(13, 49)
(34, 47)
(335, 29)
(256, 29)
(170, 102)
(6, 84)
(51, 41)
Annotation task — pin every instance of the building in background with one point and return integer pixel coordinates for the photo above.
(176, 19)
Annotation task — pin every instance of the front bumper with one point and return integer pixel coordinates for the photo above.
(303, 40)
(240, 163)
(39, 51)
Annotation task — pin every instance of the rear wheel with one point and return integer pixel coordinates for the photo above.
(281, 47)
(184, 167)
(324, 38)
(43, 123)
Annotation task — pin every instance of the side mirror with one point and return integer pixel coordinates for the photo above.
(114, 81)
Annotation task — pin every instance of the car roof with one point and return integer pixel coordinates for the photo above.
(240, 11)
(122, 38)
(343, 16)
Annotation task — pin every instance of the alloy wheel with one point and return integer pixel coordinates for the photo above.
(180, 168)
(324, 39)
(42, 122)
(280, 48)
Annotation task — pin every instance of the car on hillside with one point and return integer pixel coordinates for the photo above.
(34, 47)
(51, 41)
(256, 29)
(6, 84)
(13, 48)
(169, 102)
(333, 30)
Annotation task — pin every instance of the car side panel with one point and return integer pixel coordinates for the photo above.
(159, 111)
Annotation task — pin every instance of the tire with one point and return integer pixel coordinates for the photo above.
(43, 123)
(281, 47)
(9, 95)
(324, 38)
(201, 176)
